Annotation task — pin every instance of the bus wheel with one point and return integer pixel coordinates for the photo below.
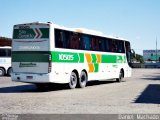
(83, 80)
(9, 71)
(2, 72)
(73, 80)
(120, 76)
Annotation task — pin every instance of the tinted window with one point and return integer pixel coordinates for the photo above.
(117, 46)
(74, 40)
(8, 52)
(59, 39)
(95, 43)
(102, 44)
(2, 52)
(128, 51)
(85, 42)
(62, 39)
(121, 47)
(80, 41)
(114, 47)
(5, 52)
(108, 44)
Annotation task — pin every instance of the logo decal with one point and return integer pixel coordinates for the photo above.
(27, 64)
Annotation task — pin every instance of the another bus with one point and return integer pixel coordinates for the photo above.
(49, 53)
(5, 61)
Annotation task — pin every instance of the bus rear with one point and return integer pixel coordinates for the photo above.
(31, 58)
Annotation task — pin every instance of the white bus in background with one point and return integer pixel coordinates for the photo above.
(5, 61)
(49, 53)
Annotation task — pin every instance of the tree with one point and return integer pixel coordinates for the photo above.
(139, 58)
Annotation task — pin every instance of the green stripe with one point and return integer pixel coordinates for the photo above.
(67, 57)
(113, 59)
(119, 59)
(30, 56)
(94, 58)
(109, 59)
(63, 57)
(96, 67)
(81, 55)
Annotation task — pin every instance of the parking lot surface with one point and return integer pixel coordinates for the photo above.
(138, 94)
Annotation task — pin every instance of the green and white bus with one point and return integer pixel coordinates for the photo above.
(5, 61)
(49, 53)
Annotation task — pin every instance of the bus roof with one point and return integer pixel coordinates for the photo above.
(78, 30)
(33, 23)
(3, 47)
(88, 31)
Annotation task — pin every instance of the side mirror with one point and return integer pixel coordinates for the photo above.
(133, 54)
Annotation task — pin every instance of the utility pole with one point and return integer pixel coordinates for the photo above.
(156, 49)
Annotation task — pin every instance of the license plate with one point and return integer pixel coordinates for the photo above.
(29, 77)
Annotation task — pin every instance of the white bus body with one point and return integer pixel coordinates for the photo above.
(5, 61)
(48, 53)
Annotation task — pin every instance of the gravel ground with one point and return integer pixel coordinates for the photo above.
(138, 94)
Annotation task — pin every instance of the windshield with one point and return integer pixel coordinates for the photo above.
(128, 52)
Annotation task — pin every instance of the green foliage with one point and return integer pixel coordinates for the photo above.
(139, 58)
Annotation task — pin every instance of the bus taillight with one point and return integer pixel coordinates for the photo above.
(50, 64)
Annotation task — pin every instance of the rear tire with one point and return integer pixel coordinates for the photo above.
(73, 81)
(9, 71)
(83, 80)
(2, 72)
(121, 75)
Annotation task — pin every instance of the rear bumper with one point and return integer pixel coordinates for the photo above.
(30, 78)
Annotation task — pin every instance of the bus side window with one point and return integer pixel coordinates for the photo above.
(95, 43)
(85, 42)
(120, 47)
(108, 45)
(2, 52)
(66, 38)
(58, 39)
(114, 46)
(74, 41)
(8, 52)
(102, 45)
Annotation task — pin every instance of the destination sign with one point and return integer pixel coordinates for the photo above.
(31, 33)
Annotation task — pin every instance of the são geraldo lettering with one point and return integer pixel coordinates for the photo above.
(65, 57)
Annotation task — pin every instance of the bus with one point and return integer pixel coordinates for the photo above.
(49, 53)
(5, 61)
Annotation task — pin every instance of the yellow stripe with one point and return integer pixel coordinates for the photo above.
(88, 57)
(89, 61)
(91, 67)
(98, 58)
